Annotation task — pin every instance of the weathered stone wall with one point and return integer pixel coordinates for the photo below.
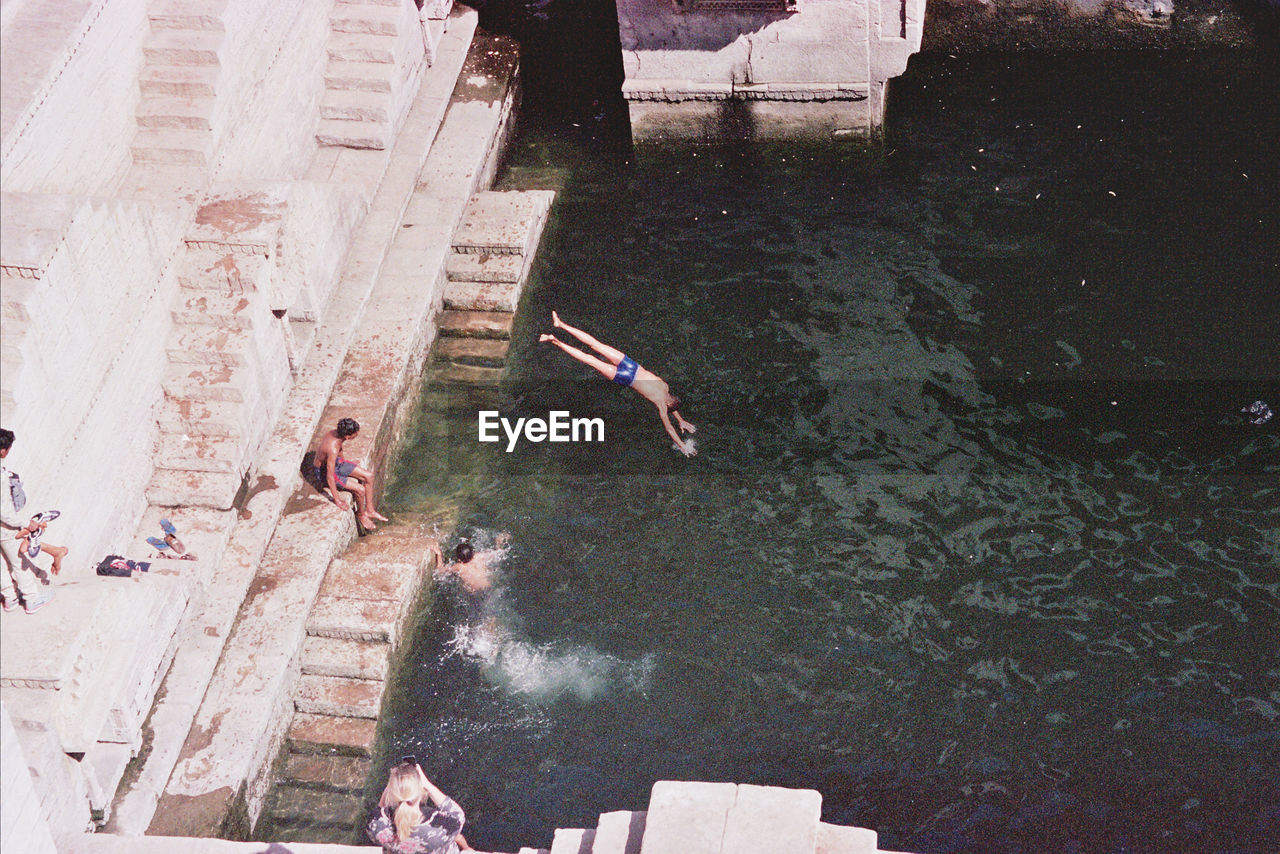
(953, 26)
(23, 827)
(68, 123)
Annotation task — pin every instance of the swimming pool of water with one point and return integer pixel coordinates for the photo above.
(977, 542)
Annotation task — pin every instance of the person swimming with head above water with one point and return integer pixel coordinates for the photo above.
(625, 371)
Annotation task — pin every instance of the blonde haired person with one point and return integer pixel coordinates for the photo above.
(402, 826)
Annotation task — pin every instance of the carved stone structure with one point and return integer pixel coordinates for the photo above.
(763, 68)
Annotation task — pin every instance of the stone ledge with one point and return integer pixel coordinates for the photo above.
(312, 733)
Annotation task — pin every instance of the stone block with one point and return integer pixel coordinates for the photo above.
(387, 575)
(450, 372)
(484, 267)
(208, 382)
(354, 659)
(198, 453)
(172, 146)
(475, 324)
(688, 818)
(297, 805)
(377, 20)
(183, 47)
(186, 488)
(356, 619)
(572, 841)
(310, 733)
(339, 696)
(176, 111)
(357, 105)
(839, 839)
(491, 352)
(360, 76)
(208, 417)
(353, 134)
(361, 47)
(619, 833)
(502, 222)
(185, 81)
(765, 819)
(482, 296)
(318, 771)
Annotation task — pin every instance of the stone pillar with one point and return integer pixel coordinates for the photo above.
(763, 68)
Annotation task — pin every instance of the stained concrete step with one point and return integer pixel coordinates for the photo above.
(572, 841)
(196, 417)
(183, 47)
(504, 223)
(314, 733)
(186, 488)
(360, 76)
(689, 818)
(198, 453)
(619, 832)
(339, 696)
(450, 372)
(476, 267)
(175, 18)
(176, 111)
(349, 134)
(186, 81)
(482, 296)
(839, 839)
(354, 659)
(486, 352)
(355, 105)
(765, 819)
(361, 47)
(354, 619)
(332, 773)
(475, 324)
(376, 20)
(208, 382)
(206, 344)
(172, 146)
(302, 805)
(214, 304)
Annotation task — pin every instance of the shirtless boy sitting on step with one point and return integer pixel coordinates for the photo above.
(341, 474)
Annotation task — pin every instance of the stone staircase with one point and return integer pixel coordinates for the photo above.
(176, 116)
(487, 268)
(377, 51)
(717, 818)
(357, 623)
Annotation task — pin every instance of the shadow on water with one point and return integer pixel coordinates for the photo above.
(978, 541)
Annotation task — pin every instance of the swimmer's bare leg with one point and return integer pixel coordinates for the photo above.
(613, 354)
(366, 477)
(607, 370)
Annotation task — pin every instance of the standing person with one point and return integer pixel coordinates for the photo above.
(18, 579)
(625, 371)
(337, 473)
(402, 826)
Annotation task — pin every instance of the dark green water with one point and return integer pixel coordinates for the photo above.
(977, 542)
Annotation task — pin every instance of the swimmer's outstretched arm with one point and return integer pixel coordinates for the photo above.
(685, 447)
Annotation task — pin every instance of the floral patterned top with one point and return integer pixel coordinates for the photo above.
(435, 835)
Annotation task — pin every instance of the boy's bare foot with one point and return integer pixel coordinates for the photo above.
(376, 515)
(555, 320)
(546, 336)
(366, 523)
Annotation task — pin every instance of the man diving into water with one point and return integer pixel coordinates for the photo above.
(624, 371)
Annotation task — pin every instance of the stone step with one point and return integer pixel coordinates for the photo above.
(339, 696)
(301, 805)
(171, 146)
(449, 372)
(354, 659)
(361, 47)
(183, 47)
(333, 773)
(475, 267)
(376, 20)
(482, 296)
(176, 111)
(475, 324)
(201, 417)
(572, 841)
(360, 76)
(619, 832)
(185, 81)
(208, 382)
(182, 488)
(355, 619)
(309, 733)
(349, 134)
(207, 344)
(211, 303)
(765, 819)
(689, 818)
(105, 764)
(355, 106)
(198, 453)
(175, 19)
(839, 839)
(507, 223)
(487, 352)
